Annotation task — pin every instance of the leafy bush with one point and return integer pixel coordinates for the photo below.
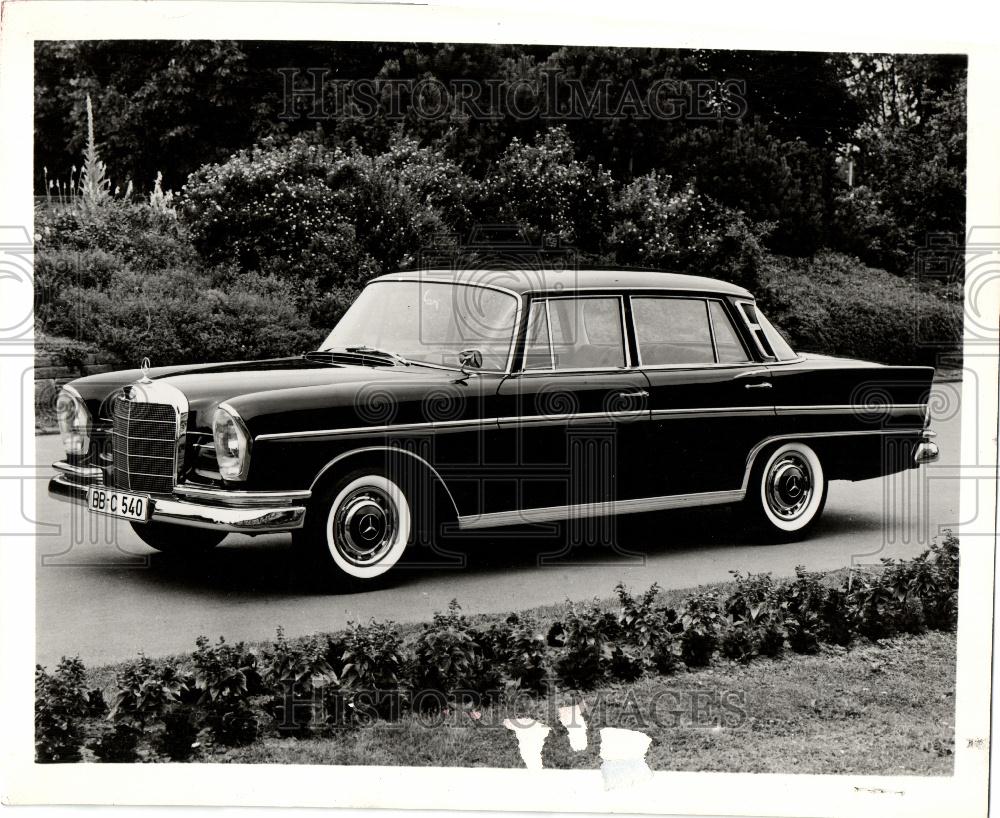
(874, 606)
(118, 744)
(912, 595)
(144, 692)
(517, 646)
(180, 731)
(584, 636)
(447, 662)
(651, 628)
(835, 305)
(332, 215)
(298, 673)
(755, 619)
(814, 612)
(935, 582)
(227, 675)
(657, 225)
(544, 188)
(60, 704)
(372, 669)
(188, 319)
(702, 621)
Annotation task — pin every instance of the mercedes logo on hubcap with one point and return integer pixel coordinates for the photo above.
(368, 527)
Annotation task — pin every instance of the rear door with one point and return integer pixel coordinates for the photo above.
(710, 397)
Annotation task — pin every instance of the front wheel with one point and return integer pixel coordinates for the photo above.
(357, 530)
(178, 539)
(787, 492)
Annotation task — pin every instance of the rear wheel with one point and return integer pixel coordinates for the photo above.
(178, 539)
(357, 529)
(787, 492)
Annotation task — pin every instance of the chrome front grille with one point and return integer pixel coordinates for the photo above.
(145, 446)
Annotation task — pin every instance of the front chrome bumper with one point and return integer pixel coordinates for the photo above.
(243, 512)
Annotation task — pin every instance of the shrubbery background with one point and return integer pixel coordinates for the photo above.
(274, 225)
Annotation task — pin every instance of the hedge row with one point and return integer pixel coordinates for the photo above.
(231, 695)
(832, 304)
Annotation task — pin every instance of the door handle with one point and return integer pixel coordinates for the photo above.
(764, 385)
(641, 393)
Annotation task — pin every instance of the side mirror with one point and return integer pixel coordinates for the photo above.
(470, 359)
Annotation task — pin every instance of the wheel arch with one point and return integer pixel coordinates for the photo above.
(391, 458)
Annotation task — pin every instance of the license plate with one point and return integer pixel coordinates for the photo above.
(118, 504)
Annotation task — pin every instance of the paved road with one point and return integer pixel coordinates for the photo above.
(106, 601)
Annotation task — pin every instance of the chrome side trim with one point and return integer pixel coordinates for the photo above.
(693, 412)
(714, 411)
(440, 425)
(552, 513)
(394, 450)
(850, 408)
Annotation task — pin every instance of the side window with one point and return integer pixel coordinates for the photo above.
(727, 342)
(672, 331)
(587, 333)
(537, 350)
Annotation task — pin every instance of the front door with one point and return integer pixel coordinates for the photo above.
(573, 418)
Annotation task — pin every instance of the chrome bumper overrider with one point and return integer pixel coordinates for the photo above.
(245, 512)
(926, 452)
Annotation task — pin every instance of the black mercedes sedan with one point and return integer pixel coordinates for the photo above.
(481, 398)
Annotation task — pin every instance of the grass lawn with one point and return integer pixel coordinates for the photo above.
(886, 709)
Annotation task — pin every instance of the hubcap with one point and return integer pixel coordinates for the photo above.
(789, 486)
(365, 526)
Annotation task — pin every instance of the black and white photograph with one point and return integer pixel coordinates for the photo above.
(420, 409)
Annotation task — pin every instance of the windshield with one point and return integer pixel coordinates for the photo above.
(429, 322)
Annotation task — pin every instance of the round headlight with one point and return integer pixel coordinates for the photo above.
(74, 423)
(232, 444)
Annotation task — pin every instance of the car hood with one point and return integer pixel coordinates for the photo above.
(250, 385)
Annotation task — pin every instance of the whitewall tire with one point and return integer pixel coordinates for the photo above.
(358, 529)
(787, 491)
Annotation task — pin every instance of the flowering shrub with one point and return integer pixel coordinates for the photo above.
(654, 224)
(333, 215)
(543, 187)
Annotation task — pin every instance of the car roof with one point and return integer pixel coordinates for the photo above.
(524, 281)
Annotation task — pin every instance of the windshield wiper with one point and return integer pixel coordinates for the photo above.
(367, 350)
